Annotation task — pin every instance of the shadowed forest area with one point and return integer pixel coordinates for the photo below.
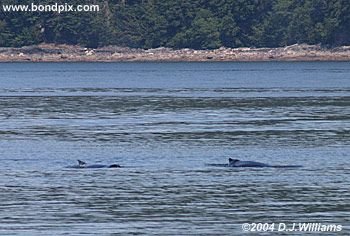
(197, 24)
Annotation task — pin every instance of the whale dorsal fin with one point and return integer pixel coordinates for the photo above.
(81, 163)
(232, 161)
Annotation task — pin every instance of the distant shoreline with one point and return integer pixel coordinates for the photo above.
(69, 53)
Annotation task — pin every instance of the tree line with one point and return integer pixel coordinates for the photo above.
(197, 24)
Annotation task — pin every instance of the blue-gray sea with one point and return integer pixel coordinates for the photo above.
(163, 122)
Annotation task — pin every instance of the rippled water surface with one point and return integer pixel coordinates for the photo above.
(163, 122)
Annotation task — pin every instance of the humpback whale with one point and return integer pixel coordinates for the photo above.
(82, 165)
(239, 163)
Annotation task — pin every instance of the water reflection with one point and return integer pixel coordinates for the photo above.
(317, 120)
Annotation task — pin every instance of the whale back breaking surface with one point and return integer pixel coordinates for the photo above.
(82, 165)
(253, 164)
(249, 164)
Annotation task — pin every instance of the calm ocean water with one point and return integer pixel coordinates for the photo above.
(164, 122)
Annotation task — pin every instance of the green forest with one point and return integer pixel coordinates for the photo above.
(197, 24)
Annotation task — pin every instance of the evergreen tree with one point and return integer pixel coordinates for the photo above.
(198, 24)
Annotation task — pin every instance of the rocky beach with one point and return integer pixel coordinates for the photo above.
(69, 53)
